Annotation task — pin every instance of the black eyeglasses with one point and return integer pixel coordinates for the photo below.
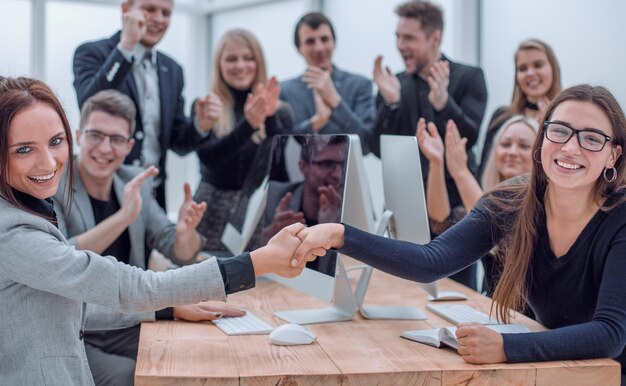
(588, 139)
(328, 164)
(96, 137)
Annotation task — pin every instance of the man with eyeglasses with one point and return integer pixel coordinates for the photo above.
(129, 62)
(113, 212)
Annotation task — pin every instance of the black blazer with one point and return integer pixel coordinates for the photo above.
(99, 65)
(466, 106)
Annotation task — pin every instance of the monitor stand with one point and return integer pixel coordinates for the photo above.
(343, 305)
(383, 312)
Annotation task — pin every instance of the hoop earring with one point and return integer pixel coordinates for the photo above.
(535, 155)
(613, 178)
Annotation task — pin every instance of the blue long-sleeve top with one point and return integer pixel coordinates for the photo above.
(580, 296)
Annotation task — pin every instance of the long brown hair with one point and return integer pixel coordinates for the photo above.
(226, 122)
(525, 200)
(16, 95)
(518, 100)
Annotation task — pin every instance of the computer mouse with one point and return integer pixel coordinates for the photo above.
(291, 334)
(447, 295)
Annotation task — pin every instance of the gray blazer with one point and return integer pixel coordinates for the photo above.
(354, 115)
(151, 228)
(43, 284)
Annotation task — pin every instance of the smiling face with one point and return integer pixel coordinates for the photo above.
(514, 150)
(417, 49)
(238, 65)
(38, 151)
(98, 161)
(158, 14)
(533, 73)
(569, 166)
(316, 45)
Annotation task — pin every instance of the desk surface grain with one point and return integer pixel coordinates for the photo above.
(357, 352)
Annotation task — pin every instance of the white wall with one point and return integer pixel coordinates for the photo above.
(587, 37)
(15, 38)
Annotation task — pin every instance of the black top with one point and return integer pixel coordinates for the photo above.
(579, 295)
(466, 106)
(225, 161)
(44, 208)
(120, 248)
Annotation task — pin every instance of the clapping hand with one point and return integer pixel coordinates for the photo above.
(190, 214)
(283, 216)
(480, 344)
(438, 81)
(272, 92)
(254, 110)
(322, 113)
(319, 80)
(388, 84)
(131, 206)
(208, 110)
(456, 152)
(330, 204)
(429, 141)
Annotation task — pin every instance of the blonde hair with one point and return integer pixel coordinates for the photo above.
(219, 86)
(491, 176)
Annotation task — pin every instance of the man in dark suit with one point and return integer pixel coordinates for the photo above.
(129, 62)
(326, 99)
(432, 87)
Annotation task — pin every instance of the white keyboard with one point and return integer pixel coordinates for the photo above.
(249, 324)
(460, 313)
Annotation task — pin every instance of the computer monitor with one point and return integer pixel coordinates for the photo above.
(314, 193)
(405, 200)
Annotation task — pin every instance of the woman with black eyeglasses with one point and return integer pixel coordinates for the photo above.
(560, 233)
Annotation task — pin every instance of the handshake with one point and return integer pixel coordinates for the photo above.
(289, 250)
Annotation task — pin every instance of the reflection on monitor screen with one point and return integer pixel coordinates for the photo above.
(314, 193)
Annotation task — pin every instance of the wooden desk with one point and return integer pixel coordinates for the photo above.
(358, 352)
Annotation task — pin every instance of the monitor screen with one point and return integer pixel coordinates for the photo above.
(313, 192)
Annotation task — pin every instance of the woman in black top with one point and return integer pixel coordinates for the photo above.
(537, 82)
(250, 112)
(561, 235)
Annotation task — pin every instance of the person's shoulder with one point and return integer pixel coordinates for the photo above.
(168, 61)
(616, 203)
(291, 83)
(128, 172)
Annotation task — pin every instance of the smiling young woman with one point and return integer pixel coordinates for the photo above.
(560, 233)
(44, 281)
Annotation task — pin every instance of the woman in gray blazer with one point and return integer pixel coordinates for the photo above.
(44, 282)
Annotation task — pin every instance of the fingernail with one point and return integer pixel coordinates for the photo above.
(217, 314)
(294, 262)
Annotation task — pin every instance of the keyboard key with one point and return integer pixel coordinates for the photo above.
(249, 324)
(460, 313)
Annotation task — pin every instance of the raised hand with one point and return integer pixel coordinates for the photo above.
(254, 109)
(205, 311)
(429, 141)
(388, 84)
(322, 113)
(330, 204)
(456, 153)
(283, 216)
(319, 80)
(131, 206)
(272, 92)
(189, 214)
(438, 81)
(480, 344)
(208, 110)
(316, 240)
(134, 24)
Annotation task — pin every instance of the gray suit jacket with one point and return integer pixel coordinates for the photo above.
(43, 283)
(151, 228)
(354, 115)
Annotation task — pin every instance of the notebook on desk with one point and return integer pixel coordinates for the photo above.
(447, 335)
